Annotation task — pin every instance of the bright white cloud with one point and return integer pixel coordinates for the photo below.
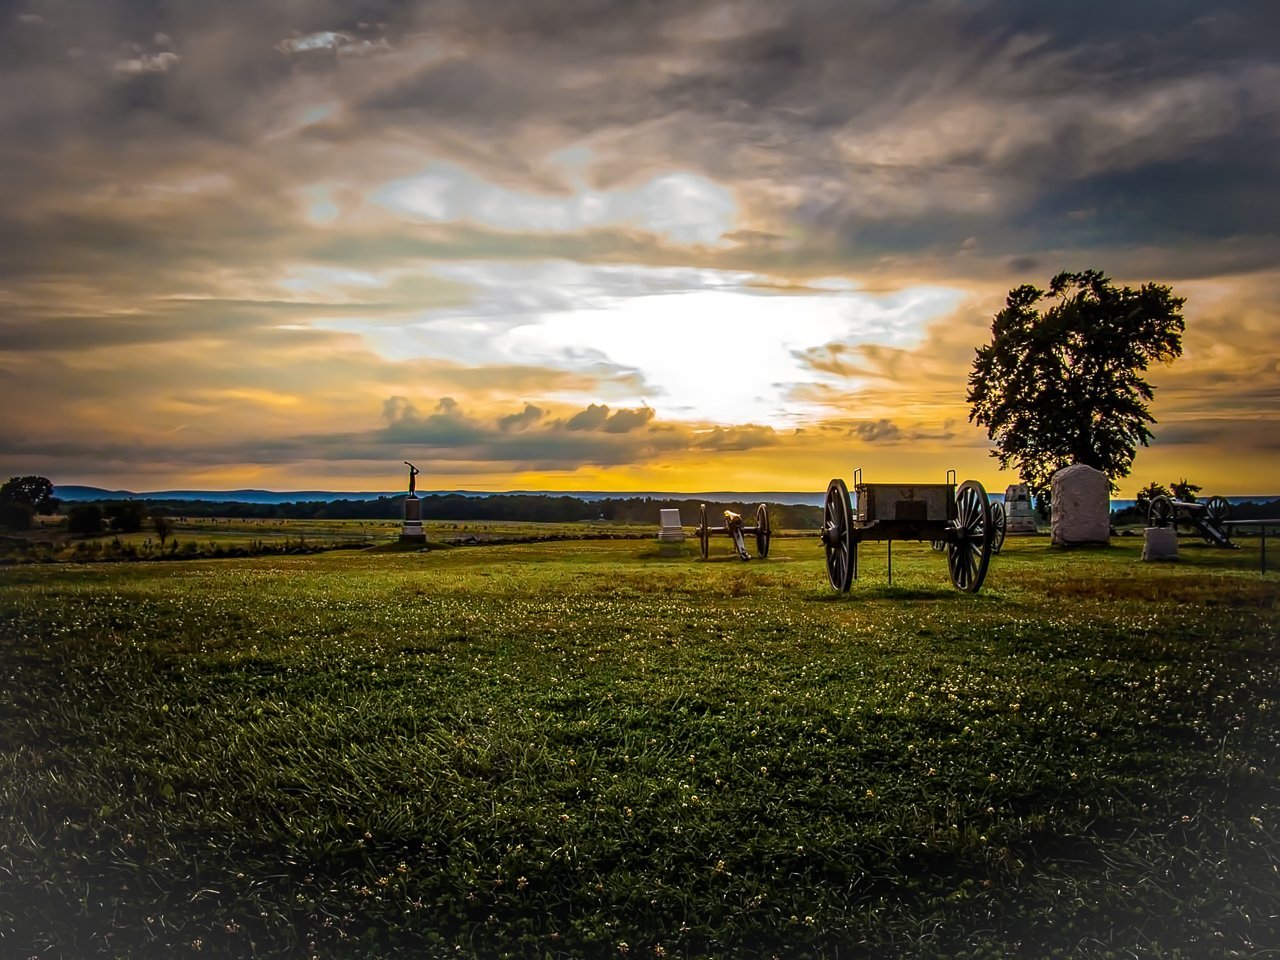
(148, 63)
(707, 345)
(682, 207)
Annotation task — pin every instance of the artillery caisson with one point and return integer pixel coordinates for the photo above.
(737, 531)
(959, 518)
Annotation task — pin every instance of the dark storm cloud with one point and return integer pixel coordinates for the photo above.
(519, 421)
(450, 433)
(727, 439)
(597, 417)
(592, 418)
(881, 128)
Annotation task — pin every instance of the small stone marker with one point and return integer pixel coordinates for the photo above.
(670, 530)
(1159, 543)
(1081, 506)
(1020, 516)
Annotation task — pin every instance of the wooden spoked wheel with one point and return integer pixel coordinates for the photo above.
(997, 526)
(1217, 511)
(1160, 512)
(704, 532)
(837, 542)
(969, 549)
(938, 545)
(763, 533)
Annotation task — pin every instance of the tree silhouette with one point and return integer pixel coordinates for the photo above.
(85, 519)
(1064, 385)
(1185, 490)
(1150, 492)
(35, 492)
(163, 525)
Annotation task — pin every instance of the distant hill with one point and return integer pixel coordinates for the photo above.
(75, 493)
(72, 492)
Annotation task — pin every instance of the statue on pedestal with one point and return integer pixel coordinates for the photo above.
(412, 531)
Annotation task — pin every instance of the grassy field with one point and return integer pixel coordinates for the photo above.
(204, 535)
(592, 750)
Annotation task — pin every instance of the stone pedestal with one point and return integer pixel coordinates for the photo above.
(1159, 543)
(1081, 506)
(670, 530)
(670, 534)
(1019, 515)
(411, 531)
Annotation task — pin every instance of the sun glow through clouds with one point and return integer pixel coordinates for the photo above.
(705, 346)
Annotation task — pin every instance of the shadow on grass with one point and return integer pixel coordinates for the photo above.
(884, 592)
(400, 546)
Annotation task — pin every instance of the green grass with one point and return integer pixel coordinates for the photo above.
(590, 750)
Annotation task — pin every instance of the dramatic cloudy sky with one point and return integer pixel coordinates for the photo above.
(612, 244)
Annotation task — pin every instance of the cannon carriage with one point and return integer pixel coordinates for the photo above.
(1209, 518)
(737, 531)
(959, 517)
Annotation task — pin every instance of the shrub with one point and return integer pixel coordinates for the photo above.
(85, 519)
(16, 516)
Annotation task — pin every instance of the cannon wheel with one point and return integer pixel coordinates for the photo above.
(1160, 512)
(1217, 510)
(997, 526)
(763, 533)
(704, 532)
(969, 551)
(938, 545)
(842, 557)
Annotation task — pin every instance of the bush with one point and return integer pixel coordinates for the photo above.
(16, 516)
(85, 519)
(126, 516)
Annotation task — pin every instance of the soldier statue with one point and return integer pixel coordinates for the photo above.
(413, 473)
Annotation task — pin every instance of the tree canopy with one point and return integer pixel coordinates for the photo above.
(1064, 384)
(34, 492)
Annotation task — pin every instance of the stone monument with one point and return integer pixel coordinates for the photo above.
(411, 531)
(1019, 515)
(1081, 506)
(1160, 543)
(670, 530)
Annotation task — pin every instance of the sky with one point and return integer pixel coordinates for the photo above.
(630, 245)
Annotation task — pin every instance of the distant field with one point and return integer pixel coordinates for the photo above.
(587, 749)
(207, 534)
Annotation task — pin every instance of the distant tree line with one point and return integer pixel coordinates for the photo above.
(529, 508)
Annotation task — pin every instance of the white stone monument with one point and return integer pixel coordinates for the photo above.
(1081, 506)
(1160, 543)
(670, 530)
(1019, 515)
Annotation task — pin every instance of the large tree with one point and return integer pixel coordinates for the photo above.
(1063, 384)
(34, 492)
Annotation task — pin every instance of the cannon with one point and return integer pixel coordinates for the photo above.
(1209, 518)
(959, 518)
(738, 531)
